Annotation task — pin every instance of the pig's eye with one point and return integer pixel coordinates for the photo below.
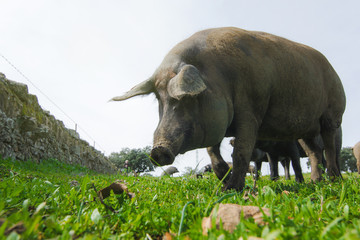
(175, 105)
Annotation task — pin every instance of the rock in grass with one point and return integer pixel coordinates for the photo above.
(230, 215)
(117, 188)
(170, 171)
(74, 183)
(18, 227)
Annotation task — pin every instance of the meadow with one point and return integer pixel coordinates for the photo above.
(53, 200)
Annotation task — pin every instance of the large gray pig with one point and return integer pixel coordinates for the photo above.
(250, 85)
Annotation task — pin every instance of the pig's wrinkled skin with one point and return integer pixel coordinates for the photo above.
(250, 85)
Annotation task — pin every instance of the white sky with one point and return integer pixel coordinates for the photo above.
(82, 53)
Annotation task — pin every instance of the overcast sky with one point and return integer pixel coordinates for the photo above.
(82, 53)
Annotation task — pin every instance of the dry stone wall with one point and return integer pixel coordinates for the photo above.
(27, 132)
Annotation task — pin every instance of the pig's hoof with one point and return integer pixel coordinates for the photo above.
(231, 186)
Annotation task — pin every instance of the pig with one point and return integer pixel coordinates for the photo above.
(169, 171)
(282, 151)
(356, 152)
(230, 82)
(274, 152)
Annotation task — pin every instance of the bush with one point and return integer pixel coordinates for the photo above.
(137, 159)
(347, 160)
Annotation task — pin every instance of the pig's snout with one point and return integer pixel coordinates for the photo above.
(161, 156)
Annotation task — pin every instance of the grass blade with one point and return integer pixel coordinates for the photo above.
(183, 216)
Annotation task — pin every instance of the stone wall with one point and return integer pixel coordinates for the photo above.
(28, 132)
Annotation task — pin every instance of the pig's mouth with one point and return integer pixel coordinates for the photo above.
(161, 156)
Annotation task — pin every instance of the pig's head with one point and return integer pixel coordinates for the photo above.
(191, 116)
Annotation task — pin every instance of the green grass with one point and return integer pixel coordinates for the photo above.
(43, 202)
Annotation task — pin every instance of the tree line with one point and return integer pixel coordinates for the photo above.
(138, 160)
(129, 160)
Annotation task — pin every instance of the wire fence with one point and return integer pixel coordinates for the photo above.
(77, 126)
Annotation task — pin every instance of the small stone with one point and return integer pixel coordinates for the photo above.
(230, 215)
(74, 183)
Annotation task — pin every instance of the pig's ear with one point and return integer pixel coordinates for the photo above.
(188, 82)
(143, 88)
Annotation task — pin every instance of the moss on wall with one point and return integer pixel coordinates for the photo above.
(29, 132)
